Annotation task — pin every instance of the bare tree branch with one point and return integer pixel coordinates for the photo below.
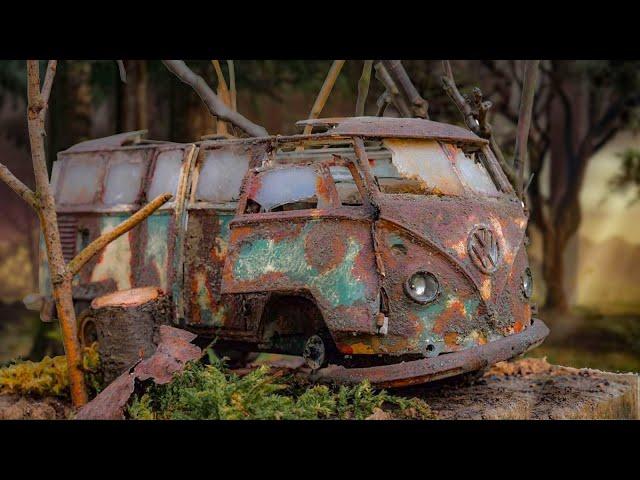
(122, 71)
(363, 87)
(222, 83)
(475, 117)
(102, 241)
(419, 106)
(60, 281)
(324, 93)
(211, 100)
(232, 84)
(17, 186)
(524, 119)
(46, 86)
(393, 95)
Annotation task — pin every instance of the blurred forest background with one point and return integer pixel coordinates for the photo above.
(584, 155)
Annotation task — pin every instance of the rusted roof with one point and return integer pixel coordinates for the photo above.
(394, 127)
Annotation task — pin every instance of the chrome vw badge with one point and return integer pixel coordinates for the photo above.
(484, 249)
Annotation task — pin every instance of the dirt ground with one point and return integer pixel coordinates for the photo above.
(15, 407)
(523, 389)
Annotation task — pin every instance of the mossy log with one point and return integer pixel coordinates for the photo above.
(126, 326)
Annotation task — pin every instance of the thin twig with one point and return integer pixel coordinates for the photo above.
(324, 92)
(103, 240)
(232, 84)
(419, 106)
(47, 85)
(122, 71)
(524, 119)
(363, 87)
(222, 83)
(393, 92)
(216, 106)
(17, 186)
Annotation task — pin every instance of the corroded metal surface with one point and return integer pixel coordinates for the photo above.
(395, 128)
(271, 240)
(443, 366)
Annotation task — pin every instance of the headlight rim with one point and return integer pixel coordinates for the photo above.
(408, 291)
(527, 275)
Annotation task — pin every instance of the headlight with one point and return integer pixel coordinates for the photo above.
(422, 287)
(527, 283)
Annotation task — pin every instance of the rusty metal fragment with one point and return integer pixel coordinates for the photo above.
(171, 356)
(442, 366)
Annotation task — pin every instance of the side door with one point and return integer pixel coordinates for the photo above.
(215, 190)
(292, 235)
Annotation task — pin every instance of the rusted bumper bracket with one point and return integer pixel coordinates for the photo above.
(445, 365)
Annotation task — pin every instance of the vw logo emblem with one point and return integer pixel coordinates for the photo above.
(484, 249)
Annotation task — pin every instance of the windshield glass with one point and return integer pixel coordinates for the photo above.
(427, 167)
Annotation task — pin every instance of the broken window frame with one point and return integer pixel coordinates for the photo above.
(193, 201)
(322, 173)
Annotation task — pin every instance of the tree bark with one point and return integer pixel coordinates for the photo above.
(61, 282)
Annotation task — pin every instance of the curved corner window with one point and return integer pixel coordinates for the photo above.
(80, 180)
(473, 172)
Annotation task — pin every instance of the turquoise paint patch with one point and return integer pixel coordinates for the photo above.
(157, 245)
(262, 256)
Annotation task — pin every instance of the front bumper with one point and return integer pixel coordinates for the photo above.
(446, 365)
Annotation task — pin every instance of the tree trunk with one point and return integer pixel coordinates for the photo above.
(133, 97)
(79, 107)
(568, 117)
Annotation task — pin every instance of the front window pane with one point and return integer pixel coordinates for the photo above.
(473, 173)
(422, 167)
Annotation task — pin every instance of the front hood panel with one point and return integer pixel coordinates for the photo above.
(481, 237)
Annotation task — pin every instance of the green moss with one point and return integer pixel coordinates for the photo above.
(212, 392)
(49, 377)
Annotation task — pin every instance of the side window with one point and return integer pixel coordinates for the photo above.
(125, 171)
(80, 182)
(220, 176)
(284, 189)
(166, 173)
(473, 172)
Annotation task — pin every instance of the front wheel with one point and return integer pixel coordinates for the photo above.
(314, 352)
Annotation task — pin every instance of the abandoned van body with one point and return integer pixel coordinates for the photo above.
(390, 248)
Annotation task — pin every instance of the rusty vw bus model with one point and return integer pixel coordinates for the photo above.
(383, 248)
